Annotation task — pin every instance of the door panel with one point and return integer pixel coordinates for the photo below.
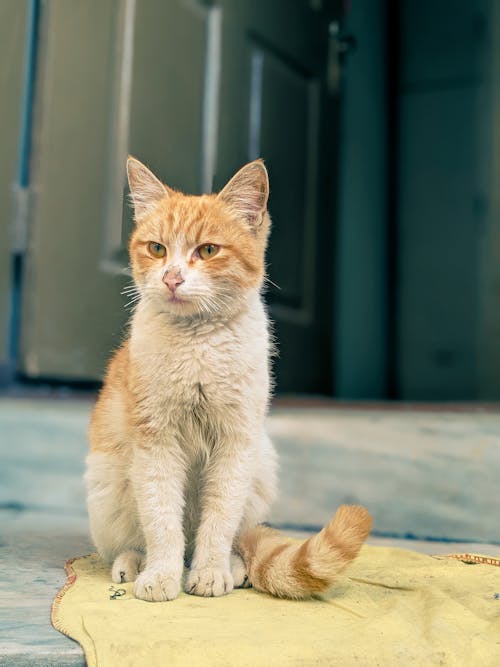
(443, 204)
(438, 246)
(195, 90)
(166, 113)
(290, 103)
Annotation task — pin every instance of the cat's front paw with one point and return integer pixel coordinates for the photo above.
(209, 582)
(155, 585)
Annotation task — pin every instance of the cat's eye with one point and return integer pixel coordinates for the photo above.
(207, 250)
(157, 249)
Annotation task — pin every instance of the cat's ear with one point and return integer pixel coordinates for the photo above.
(247, 193)
(145, 188)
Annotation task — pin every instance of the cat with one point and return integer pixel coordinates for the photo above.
(180, 467)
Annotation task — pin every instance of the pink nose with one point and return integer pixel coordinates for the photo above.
(172, 280)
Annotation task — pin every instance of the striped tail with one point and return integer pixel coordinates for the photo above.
(287, 569)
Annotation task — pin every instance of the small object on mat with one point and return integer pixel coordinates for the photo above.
(116, 592)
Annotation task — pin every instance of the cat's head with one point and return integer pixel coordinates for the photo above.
(198, 254)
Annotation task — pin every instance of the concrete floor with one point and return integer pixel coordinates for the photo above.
(424, 474)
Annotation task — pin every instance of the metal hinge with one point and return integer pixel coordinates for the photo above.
(19, 221)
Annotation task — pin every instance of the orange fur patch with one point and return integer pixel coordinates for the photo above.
(305, 579)
(262, 571)
(112, 409)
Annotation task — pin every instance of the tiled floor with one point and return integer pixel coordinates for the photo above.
(428, 474)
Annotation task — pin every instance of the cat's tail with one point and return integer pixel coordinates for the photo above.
(289, 569)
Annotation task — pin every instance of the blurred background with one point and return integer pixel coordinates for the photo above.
(378, 123)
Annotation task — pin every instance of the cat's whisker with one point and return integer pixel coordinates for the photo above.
(131, 304)
(133, 295)
(216, 303)
(268, 280)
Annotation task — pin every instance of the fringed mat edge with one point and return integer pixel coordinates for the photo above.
(71, 577)
(472, 559)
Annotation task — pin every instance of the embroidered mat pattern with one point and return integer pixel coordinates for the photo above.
(394, 607)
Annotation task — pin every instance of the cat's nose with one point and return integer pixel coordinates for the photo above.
(172, 279)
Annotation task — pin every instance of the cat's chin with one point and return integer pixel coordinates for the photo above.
(177, 300)
(178, 306)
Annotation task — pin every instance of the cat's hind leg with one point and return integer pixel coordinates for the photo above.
(260, 498)
(127, 566)
(114, 524)
(256, 510)
(239, 572)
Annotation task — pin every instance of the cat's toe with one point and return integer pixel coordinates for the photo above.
(239, 572)
(126, 567)
(209, 582)
(156, 586)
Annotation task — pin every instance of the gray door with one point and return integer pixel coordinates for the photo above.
(195, 90)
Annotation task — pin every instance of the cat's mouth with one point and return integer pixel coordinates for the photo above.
(175, 299)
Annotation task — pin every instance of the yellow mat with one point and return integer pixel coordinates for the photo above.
(396, 607)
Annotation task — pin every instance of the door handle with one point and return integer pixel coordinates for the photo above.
(338, 46)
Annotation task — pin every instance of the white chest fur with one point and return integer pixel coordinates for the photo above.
(219, 367)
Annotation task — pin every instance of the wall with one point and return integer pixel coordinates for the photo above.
(361, 296)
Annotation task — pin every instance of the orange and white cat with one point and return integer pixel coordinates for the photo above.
(180, 466)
